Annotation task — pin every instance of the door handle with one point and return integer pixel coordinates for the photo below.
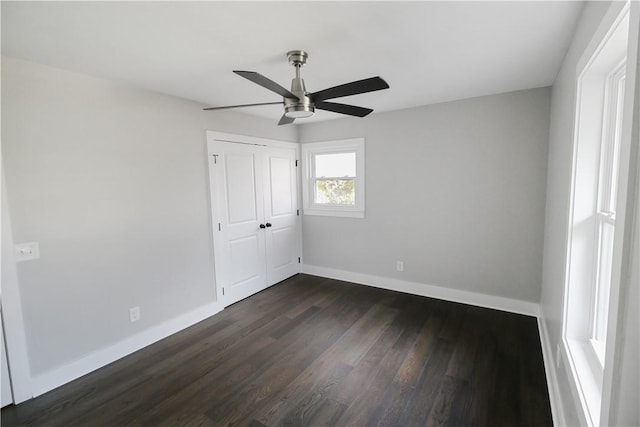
(262, 226)
(268, 224)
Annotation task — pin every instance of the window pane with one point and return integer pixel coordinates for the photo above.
(615, 166)
(336, 165)
(605, 259)
(335, 192)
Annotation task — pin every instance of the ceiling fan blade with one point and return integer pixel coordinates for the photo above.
(284, 120)
(351, 110)
(266, 83)
(243, 105)
(360, 86)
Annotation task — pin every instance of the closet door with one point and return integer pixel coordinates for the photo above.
(281, 213)
(256, 227)
(239, 241)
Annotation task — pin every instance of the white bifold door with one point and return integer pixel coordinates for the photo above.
(256, 231)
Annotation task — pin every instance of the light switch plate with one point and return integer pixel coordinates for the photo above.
(27, 251)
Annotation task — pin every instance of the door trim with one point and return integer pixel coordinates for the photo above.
(14, 327)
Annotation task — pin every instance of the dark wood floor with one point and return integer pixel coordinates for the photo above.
(314, 351)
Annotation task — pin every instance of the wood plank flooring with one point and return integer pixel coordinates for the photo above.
(314, 351)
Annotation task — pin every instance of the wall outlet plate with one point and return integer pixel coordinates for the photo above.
(27, 251)
(134, 314)
(400, 265)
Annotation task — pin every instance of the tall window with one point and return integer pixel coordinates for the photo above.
(590, 248)
(334, 178)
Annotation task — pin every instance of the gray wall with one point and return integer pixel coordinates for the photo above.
(112, 182)
(455, 190)
(563, 103)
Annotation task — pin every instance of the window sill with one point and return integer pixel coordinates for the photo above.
(334, 212)
(587, 378)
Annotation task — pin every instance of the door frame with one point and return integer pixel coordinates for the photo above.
(212, 137)
(13, 320)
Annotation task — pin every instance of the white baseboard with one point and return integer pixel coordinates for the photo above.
(439, 292)
(557, 410)
(67, 373)
(52, 379)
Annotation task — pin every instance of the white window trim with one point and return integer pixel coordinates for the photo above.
(309, 150)
(609, 150)
(591, 382)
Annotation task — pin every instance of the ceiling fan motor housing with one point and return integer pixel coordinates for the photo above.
(303, 107)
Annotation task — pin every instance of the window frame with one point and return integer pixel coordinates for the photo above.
(309, 152)
(591, 380)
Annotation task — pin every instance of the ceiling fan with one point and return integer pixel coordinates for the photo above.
(298, 103)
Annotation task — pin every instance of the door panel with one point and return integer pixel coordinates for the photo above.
(240, 260)
(282, 195)
(246, 259)
(240, 188)
(282, 253)
(281, 206)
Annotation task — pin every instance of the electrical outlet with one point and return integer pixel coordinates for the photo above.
(134, 314)
(400, 265)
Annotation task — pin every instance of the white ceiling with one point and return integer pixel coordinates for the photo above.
(428, 52)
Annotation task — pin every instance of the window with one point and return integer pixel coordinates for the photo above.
(605, 216)
(594, 197)
(334, 178)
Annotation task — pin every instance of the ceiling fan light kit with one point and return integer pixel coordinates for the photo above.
(299, 111)
(298, 103)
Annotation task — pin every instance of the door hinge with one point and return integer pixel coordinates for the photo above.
(222, 291)
(296, 163)
(298, 260)
(219, 229)
(215, 158)
(297, 212)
